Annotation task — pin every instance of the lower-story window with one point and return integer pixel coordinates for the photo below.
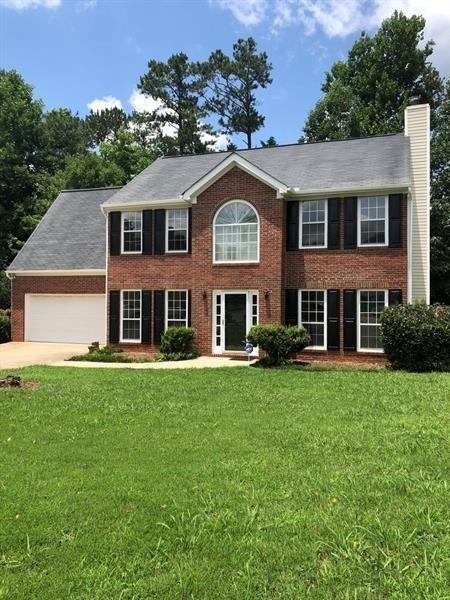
(312, 316)
(177, 308)
(130, 323)
(371, 304)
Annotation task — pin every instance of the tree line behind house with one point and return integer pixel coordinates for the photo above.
(44, 151)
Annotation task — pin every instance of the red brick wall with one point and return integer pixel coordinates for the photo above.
(197, 272)
(361, 268)
(94, 284)
(383, 268)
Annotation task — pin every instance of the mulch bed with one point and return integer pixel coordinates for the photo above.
(14, 381)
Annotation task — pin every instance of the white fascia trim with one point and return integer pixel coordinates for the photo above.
(139, 205)
(234, 160)
(298, 192)
(56, 273)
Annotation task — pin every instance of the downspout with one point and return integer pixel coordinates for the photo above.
(105, 214)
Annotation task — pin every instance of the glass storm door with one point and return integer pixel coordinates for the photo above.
(235, 321)
(234, 314)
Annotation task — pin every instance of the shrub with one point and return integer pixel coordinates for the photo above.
(177, 343)
(5, 327)
(416, 337)
(279, 342)
(5, 291)
(108, 354)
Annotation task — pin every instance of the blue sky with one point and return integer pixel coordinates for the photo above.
(75, 52)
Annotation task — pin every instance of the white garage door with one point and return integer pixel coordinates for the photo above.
(72, 319)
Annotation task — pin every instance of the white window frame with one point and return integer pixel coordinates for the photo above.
(166, 308)
(386, 222)
(122, 339)
(167, 231)
(122, 232)
(236, 262)
(358, 320)
(300, 220)
(325, 317)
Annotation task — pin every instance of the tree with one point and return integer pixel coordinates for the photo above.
(440, 205)
(63, 135)
(177, 85)
(20, 160)
(103, 125)
(232, 84)
(269, 143)
(383, 74)
(367, 95)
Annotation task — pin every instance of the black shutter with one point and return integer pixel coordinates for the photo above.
(158, 316)
(334, 211)
(147, 232)
(160, 231)
(395, 297)
(114, 316)
(146, 317)
(189, 307)
(114, 233)
(333, 319)
(189, 229)
(395, 220)
(291, 307)
(292, 225)
(349, 319)
(350, 222)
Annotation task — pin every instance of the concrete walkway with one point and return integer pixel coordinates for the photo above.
(196, 363)
(14, 355)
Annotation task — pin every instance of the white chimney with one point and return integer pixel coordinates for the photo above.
(417, 128)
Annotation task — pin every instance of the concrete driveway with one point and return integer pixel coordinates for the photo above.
(21, 354)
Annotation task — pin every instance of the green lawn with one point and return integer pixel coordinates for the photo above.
(224, 483)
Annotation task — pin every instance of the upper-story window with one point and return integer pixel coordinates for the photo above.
(236, 233)
(372, 221)
(177, 230)
(131, 232)
(313, 224)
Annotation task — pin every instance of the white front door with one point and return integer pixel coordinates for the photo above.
(235, 311)
(71, 318)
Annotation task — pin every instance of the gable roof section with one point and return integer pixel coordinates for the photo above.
(232, 160)
(365, 163)
(71, 235)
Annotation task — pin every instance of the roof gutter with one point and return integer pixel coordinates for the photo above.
(346, 191)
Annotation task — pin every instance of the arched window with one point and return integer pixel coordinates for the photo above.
(236, 233)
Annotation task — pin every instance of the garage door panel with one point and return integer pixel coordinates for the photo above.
(71, 319)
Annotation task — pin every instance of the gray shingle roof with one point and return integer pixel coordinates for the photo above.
(70, 236)
(348, 164)
(72, 233)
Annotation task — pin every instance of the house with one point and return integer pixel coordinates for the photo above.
(324, 235)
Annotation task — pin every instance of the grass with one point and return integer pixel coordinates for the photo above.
(224, 483)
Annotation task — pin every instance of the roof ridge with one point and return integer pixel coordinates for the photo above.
(362, 137)
(96, 189)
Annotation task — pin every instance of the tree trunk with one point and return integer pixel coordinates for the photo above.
(249, 139)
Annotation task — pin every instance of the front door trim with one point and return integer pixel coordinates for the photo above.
(218, 318)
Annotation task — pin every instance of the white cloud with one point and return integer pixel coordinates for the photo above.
(340, 18)
(247, 12)
(24, 4)
(104, 103)
(215, 142)
(144, 103)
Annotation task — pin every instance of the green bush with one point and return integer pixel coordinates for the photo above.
(280, 342)
(5, 291)
(5, 327)
(177, 343)
(416, 337)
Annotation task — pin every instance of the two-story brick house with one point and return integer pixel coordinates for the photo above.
(324, 235)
